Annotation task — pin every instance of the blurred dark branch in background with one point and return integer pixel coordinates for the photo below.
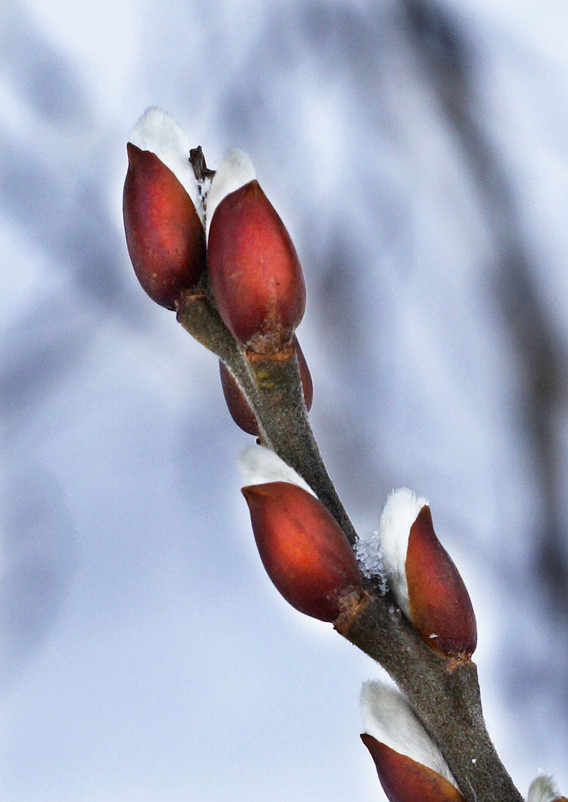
(52, 192)
(541, 353)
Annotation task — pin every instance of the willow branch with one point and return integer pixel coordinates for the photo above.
(272, 387)
(443, 691)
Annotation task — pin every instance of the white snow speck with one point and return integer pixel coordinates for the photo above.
(370, 559)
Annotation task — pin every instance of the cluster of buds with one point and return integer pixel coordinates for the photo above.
(171, 201)
(197, 234)
(422, 576)
(189, 228)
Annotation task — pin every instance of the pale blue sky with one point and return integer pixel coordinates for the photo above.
(419, 161)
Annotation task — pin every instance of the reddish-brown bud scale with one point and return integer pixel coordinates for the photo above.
(165, 237)
(239, 407)
(303, 548)
(440, 606)
(406, 780)
(255, 274)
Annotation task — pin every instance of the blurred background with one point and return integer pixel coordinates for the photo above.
(418, 152)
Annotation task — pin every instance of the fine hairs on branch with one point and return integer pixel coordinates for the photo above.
(210, 246)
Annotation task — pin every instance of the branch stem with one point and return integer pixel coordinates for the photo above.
(273, 389)
(284, 425)
(444, 692)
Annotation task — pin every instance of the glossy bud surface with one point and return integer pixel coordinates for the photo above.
(440, 606)
(406, 780)
(165, 237)
(303, 549)
(255, 274)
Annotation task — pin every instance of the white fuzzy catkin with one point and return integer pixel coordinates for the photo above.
(400, 512)
(543, 789)
(259, 465)
(158, 132)
(388, 717)
(234, 172)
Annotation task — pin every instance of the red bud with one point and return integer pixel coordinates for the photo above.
(238, 406)
(255, 273)
(303, 549)
(406, 780)
(440, 606)
(164, 234)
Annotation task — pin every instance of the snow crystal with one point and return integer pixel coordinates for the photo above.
(370, 558)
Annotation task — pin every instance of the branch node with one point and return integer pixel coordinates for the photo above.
(352, 605)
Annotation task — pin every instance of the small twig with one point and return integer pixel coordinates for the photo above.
(197, 161)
